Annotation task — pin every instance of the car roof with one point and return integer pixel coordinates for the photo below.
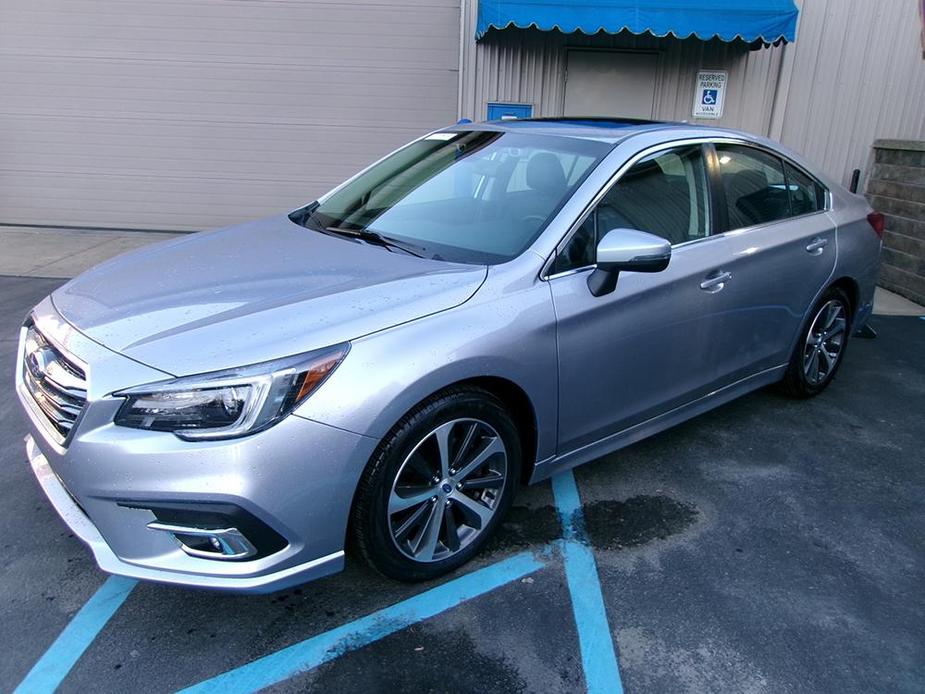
(609, 130)
(613, 131)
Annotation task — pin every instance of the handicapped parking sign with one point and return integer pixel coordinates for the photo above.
(709, 94)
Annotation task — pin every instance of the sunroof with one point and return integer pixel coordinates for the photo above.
(588, 121)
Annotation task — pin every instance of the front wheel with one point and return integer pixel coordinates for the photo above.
(437, 486)
(821, 347)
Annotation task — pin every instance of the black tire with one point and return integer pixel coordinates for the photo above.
(797, 382)
(371, 524)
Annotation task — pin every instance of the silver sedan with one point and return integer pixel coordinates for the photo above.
(382, 368)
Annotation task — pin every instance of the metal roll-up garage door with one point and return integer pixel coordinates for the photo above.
(192, 114)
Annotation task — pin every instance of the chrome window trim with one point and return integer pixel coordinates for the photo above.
(618, 174)
(764, 225)
(566, 273)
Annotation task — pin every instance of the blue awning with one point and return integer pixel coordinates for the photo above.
(750, 20)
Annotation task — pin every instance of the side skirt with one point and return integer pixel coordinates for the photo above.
(621, 439)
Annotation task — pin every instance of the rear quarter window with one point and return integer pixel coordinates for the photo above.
(806, 195)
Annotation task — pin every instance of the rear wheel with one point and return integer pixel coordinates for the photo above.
(821, 347)
(438, 485)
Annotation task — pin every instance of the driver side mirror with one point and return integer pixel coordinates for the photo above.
(627, 249)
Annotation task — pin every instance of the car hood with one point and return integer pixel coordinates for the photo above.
(252, 293)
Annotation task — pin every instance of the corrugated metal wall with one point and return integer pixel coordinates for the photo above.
(529, 66)
(854, 74)
(188, 114)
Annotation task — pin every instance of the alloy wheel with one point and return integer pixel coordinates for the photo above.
(447, 490)
(824, 342)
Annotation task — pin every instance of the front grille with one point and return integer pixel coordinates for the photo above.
(57, 385)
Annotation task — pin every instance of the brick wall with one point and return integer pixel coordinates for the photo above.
(896, 187)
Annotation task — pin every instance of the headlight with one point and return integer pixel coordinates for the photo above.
(226, 404)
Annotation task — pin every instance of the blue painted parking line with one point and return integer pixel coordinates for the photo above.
(315, 651)
(53, 666)
(598, 656)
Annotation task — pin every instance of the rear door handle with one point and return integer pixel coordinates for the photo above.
(715, 282)
(816, 246)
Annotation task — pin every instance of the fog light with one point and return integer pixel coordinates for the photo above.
(208, 543)
(212, 530)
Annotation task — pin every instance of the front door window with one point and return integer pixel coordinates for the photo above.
(665, 194)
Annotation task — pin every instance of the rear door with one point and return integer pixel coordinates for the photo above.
(781, 253)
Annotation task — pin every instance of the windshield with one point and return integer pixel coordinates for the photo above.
(471, 197)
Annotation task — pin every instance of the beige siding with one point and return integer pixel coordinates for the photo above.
(185, 114)
(529, 66)
(197, 113)
(855, 74)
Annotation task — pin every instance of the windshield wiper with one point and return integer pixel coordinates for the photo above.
(374, 237)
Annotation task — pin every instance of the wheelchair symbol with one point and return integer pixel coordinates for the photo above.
(709, 97)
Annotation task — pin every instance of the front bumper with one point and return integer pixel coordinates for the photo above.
(108, 561)
(296, 478)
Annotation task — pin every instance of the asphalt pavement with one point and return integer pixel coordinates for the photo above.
(771, 545)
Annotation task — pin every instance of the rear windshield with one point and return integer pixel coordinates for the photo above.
(472, 197)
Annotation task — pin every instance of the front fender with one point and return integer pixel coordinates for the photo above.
(510, 335)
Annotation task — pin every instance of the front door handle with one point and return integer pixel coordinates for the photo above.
(715, 282)
(817, 245)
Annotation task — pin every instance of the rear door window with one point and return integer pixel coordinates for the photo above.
(754, 185)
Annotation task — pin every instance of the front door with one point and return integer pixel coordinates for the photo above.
(610, 83)
(654, 342)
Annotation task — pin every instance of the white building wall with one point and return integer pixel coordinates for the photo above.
(190, 114)
(194, 113)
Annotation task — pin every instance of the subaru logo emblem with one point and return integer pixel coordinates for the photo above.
(39, 360)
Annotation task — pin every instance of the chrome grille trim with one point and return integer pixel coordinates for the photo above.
(55, 384)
